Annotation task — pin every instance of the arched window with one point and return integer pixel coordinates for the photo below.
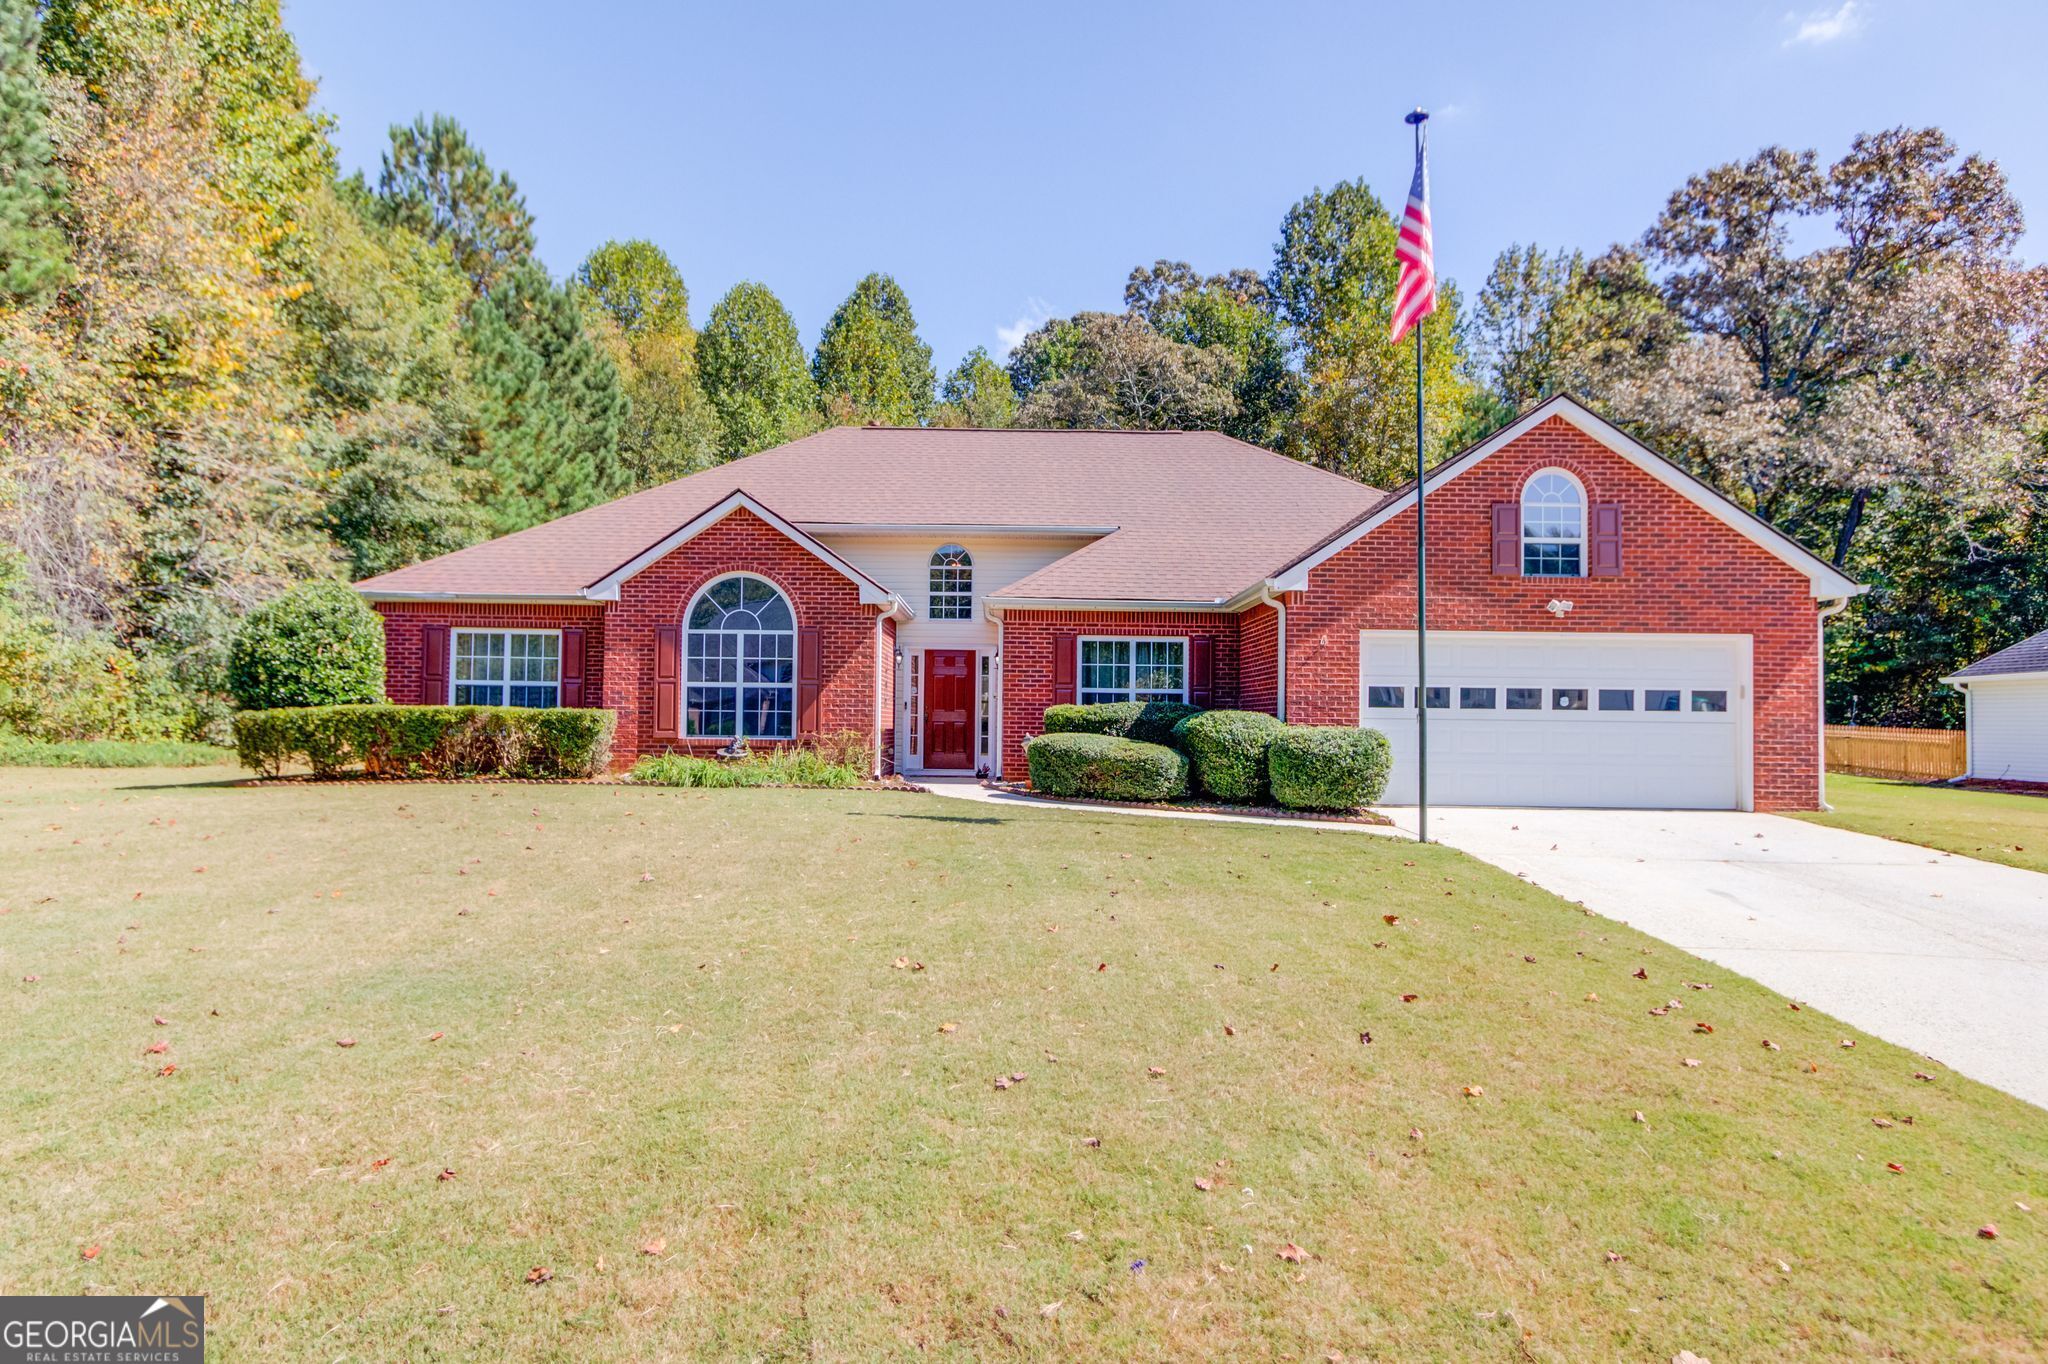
(952, 588)
(741, 671)
(1553, 526)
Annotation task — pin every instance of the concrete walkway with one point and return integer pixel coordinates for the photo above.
(1937, 952)
(1940, 953)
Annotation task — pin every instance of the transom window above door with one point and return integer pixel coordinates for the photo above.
(1553, 526)
(740, 668)
(1133, 670)
(507, 668)
(952, 584)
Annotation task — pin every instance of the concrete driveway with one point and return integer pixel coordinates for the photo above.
(1940, 953)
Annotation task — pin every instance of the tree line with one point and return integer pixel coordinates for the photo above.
(229, 368)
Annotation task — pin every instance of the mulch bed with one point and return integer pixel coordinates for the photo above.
(1198, 807)
(2009, 788)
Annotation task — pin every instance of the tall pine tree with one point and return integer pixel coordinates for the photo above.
(31, 248)
(550, 403)
(436, 182)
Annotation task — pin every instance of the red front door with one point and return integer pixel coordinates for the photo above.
(949, 708)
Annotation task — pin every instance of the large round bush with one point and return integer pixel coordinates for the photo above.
(1149, 722)
(1105, 767)
(1229, 752)
(1328, 767)
(318, 645)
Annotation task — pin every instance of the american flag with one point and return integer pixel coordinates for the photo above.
(1415, 294)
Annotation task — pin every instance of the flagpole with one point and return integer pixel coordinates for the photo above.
(1416, 120)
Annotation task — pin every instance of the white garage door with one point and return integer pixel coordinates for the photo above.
(1656, 722)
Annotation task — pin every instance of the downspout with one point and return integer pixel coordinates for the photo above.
(995, 697)
(1280, 661)
(1831, 607)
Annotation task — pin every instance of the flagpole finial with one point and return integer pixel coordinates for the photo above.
(1421, 115)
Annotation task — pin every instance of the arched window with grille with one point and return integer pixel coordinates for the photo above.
(952, 584)
(741, 652)
(1553, 526)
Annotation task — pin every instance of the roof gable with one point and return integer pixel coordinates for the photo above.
(1827, 582)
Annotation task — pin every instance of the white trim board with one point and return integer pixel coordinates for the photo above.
(872, 593)
(1828, 583)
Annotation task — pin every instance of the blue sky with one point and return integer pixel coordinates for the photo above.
(1009, 162)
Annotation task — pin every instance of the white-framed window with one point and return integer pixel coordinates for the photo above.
(740, 661)
(1553, 526)
(914, 703)
(952, 584)
(506, 668)
(1133, 670)
(987, 690)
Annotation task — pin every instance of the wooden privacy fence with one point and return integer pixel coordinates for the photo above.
(1908, 754)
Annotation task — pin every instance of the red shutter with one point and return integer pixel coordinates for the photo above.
(1606, 557)
(572, 666)
(434, 665)
(1202, 671)
(810, 669)
(1064, 646)
(1507, 537)
(666, 659)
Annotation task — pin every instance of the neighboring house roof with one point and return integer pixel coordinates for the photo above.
(2030, 655)
(1182, 516)
(1828, 582)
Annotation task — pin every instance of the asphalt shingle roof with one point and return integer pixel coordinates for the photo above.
(2030, 655)
(1198, 516)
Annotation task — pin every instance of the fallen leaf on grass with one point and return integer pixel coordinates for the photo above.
(380, 1162)
(1155, 1070)
(435, 1037)
(161, 1021)
(344, 1041)
(1592, 997)
(949, 1027)
(1391, 918)
(89, 1253)
(1292, 1253)
(1692, 1061)
(1703, 1027)
(1050, 1310)
(1229, 1031)
(1102, 966)
(1895, 1167)
(1769, 1045)
(1091, 1141)
(1613, 1257)
(1204, 1183)
(1988, 1232)
(1641, 974)
(1922, 1075)
(1474, 1091)
(646, 876)
(445, 1176)
(156, 1049)
(1409, 999)
(655, 1247)
(1415, 1134)
(1882, 1122)
(539, 1274)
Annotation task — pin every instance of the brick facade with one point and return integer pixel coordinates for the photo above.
(405, 622)
(1028, 671)
(658, 595)
(1683, 571)
(1258, 659)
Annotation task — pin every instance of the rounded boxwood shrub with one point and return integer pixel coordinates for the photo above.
(1229, 752)
(318, 645)
(1105, 767)
(1149, 722)
(1328, 767)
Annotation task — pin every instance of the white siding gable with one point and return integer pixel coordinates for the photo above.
(2009, 728)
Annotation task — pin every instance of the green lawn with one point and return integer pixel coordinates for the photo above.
(676, 1020)
(1988, 824)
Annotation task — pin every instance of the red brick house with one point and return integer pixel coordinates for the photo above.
(1605, 630)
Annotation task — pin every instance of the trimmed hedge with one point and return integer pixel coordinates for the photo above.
(1105, 767)
(1229, 752)
(428, 741)
(1328, 767)
(1149, 722)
